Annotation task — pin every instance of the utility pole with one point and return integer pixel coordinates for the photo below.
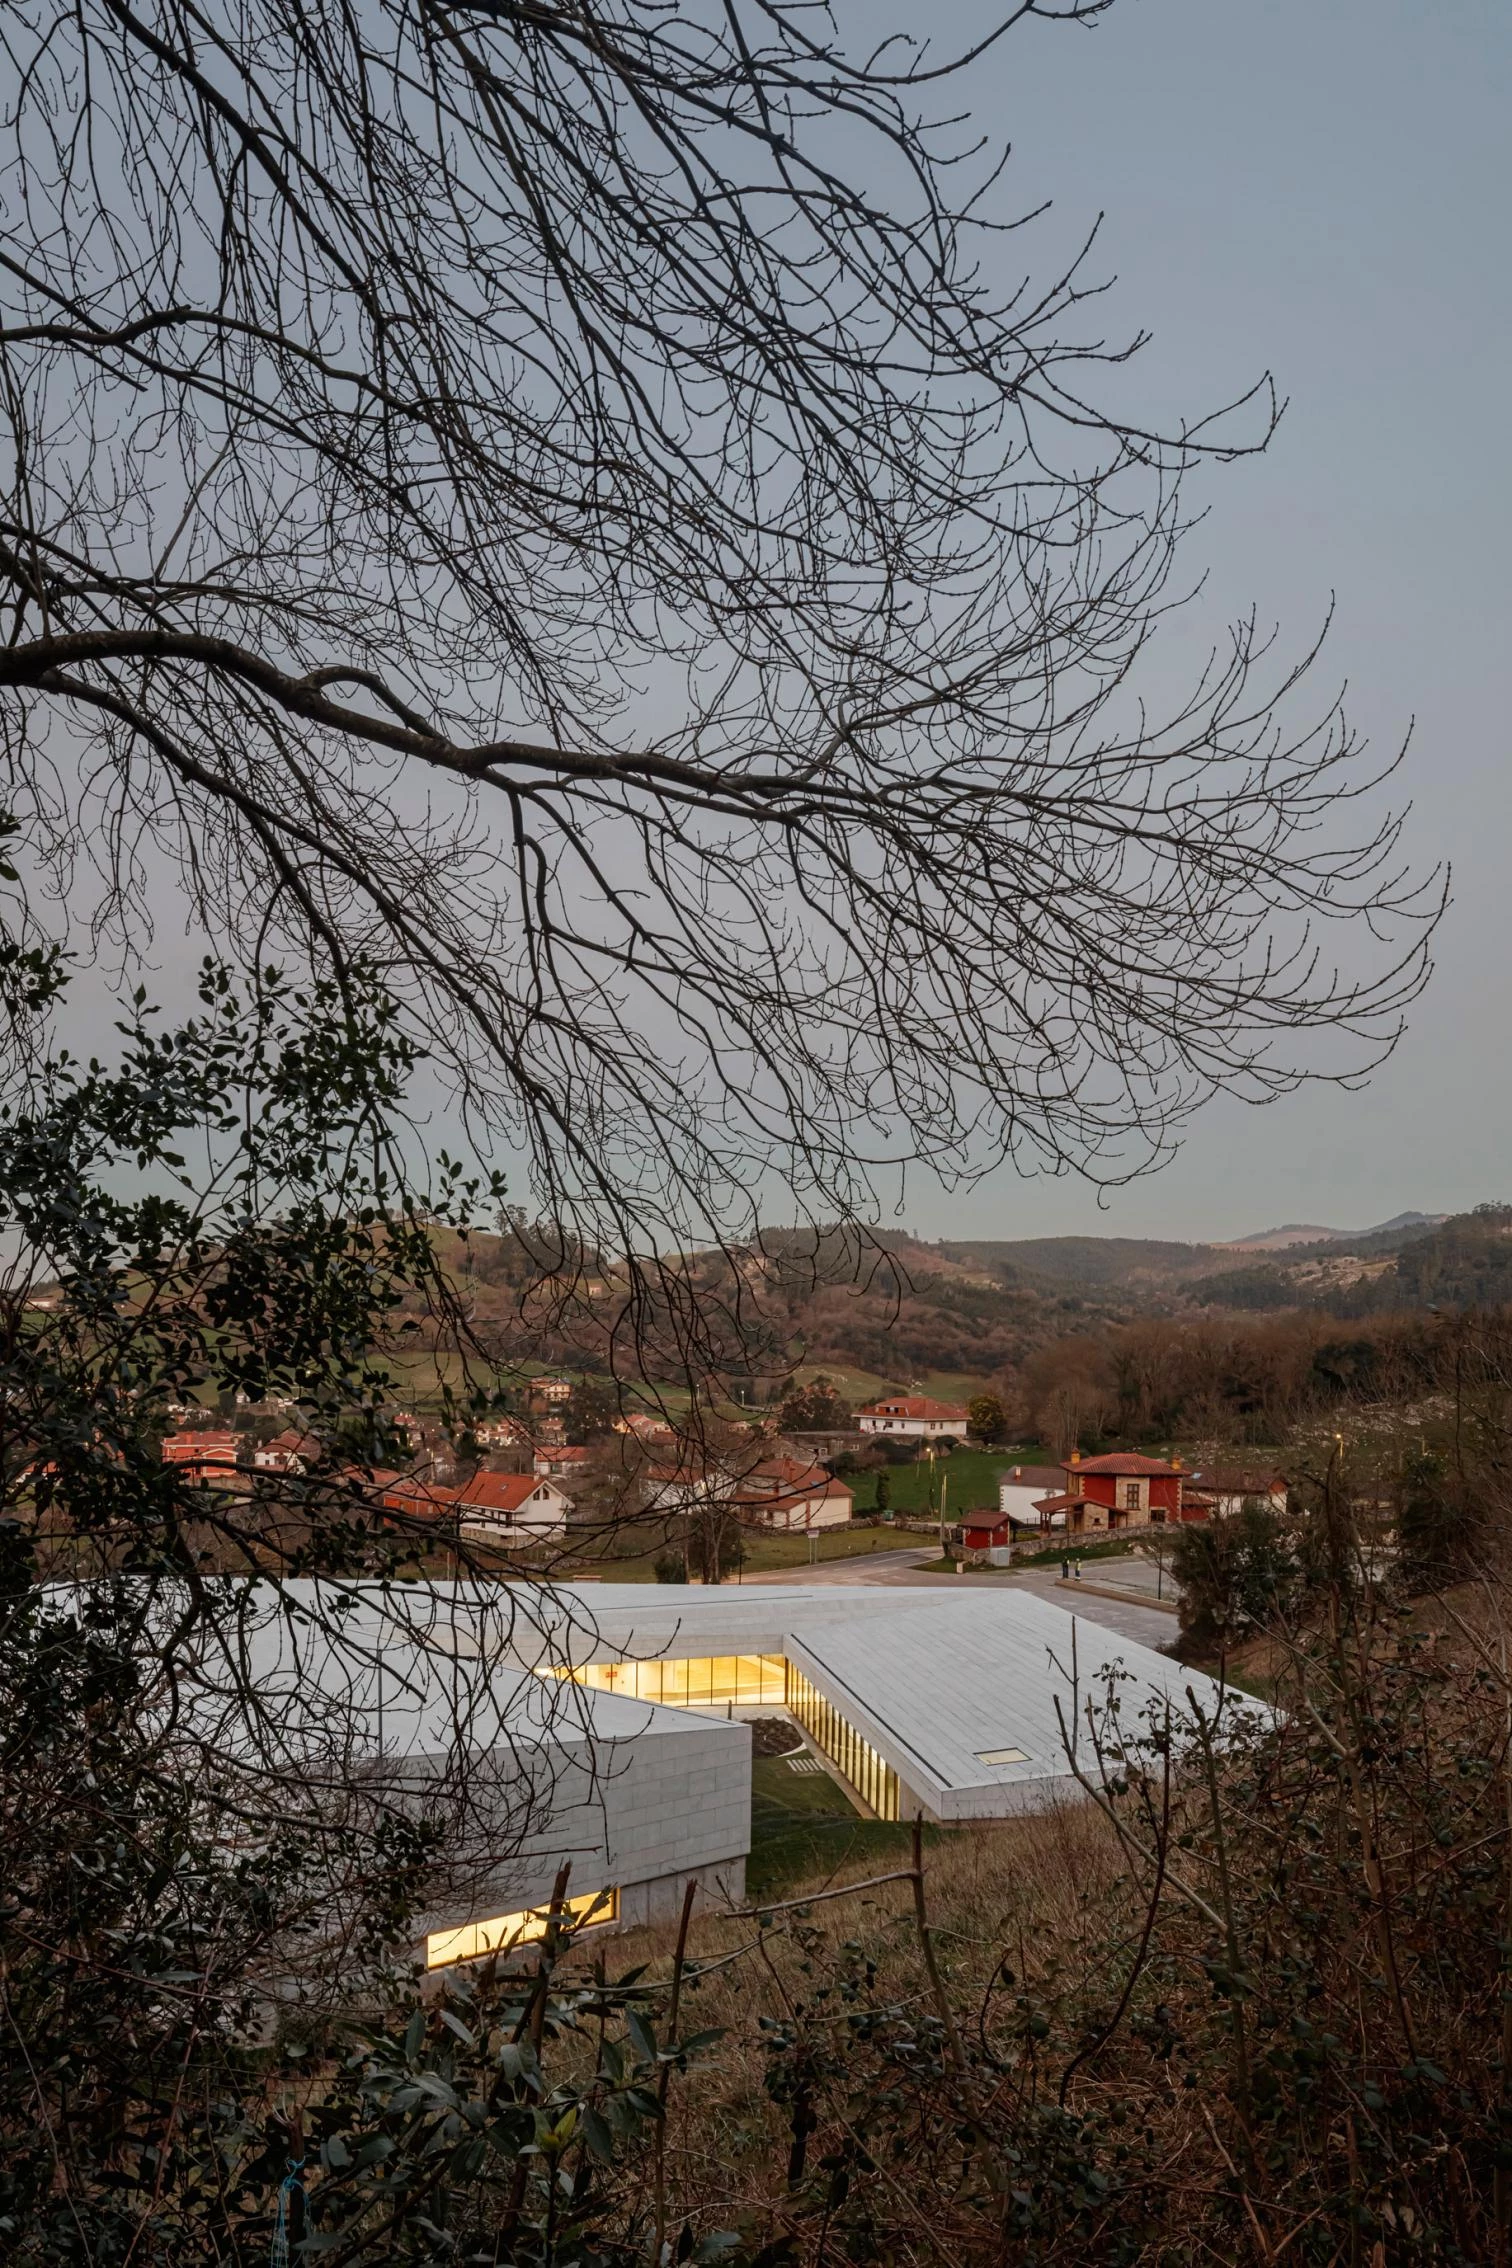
(944, 1492)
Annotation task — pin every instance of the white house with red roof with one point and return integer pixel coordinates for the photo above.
(1228, 1488)
(779, 1491)
(917, 1416)
(792, 1492)
(201, 1451)
(292, 1451)
(502, 1433)
(557, 1457)
(642, 1426)
(514, 1508)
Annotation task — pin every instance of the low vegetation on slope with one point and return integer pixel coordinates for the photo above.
(1247, 2006)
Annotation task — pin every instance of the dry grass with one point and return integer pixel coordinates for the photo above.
(1033, 1890)
(1287, 2047)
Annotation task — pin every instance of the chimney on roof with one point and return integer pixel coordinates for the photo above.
(1076, 1457)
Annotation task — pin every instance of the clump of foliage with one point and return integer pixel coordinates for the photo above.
(206, 1884)
(1238, 1573)
(817, 1407)
(716, 1547)
(592, 1407)
(1441, 1522)
(987, 1418)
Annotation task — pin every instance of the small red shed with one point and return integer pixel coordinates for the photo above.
(986, 1531)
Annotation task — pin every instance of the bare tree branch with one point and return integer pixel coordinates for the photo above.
(553, 505)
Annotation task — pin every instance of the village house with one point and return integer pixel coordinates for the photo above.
(510, 1508)
(289, 1452)
(1118, 1491)
(642, 1426)
(1021, 1490)
(1226, 1489)
(779, 1491)
(915, 1416)
(553, 1458)
(791, 1492)
(682, 1488)
(203, 1451)
(501, 1433)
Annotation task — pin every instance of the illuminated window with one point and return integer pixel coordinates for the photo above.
(703, 1683)
(504, 1932)
(872, 1777)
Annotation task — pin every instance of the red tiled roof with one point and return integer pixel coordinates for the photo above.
(1122, 1462)
(498, 1492)
(789, 1473)
(205, 1448)
(294, 1443)
(910, 1405)
(485, 1492)
(1058, 1503)
(789, 1499)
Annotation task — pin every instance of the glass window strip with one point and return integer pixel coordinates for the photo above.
(869, 1774)
(502, 1933)
(707, 1681)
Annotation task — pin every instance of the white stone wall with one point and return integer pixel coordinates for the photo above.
(639, 1813)
(661, 1901)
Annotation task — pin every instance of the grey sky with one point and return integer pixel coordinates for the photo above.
(1322, 189)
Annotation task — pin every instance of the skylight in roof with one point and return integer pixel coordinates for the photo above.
(1002, 1756)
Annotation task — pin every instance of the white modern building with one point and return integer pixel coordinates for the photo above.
(604, 1724)
(933, 1704)
(408, 1691)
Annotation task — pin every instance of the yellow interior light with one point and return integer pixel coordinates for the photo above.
(503, 1932)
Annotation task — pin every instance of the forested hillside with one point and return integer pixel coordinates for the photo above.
(899, 1309)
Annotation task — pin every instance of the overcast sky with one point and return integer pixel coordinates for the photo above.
(1322, 188)
(1319, 187)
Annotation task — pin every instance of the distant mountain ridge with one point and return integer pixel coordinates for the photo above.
(1310, 1232)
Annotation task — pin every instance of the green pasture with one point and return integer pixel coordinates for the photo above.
(765, 1554)
(969, 1478)
(803, 1826)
